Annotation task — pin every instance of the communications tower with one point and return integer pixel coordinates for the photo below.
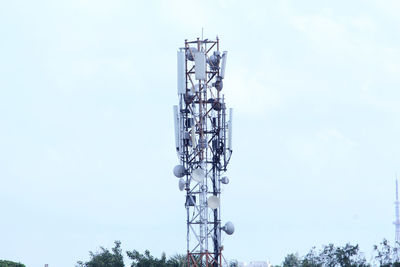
(397, 221)
(203, 141)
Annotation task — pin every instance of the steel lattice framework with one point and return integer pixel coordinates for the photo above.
(203, 141)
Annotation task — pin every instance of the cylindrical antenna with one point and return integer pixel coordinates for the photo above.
(223, 64)
(176, 124)
(181, 72)
(230, 129)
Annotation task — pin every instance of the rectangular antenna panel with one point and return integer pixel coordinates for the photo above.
(230, 129)
(223, 64)
(176, 124)
(200, 65)
(181, 72)
(194, 136)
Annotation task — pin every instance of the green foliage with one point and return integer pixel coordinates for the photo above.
(147, 260)
(312, 259)
(178, 260)
(105, 258)
(328, 256)
(4, 263)
(347, 256)
(292, 260)
(387, 256)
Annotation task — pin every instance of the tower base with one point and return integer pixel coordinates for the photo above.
(205, 259)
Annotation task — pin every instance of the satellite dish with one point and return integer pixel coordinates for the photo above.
(181, 184)
(225, 180)
(213, 202)
(179, 171)
(228, 228)
(198, 175)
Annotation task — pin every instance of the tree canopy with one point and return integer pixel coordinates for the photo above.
(5, 263)
(114, 258)
(330, 255)
(346, 256)
(105, 258)
(146, 260)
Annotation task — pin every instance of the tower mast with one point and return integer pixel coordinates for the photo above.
(203, 141)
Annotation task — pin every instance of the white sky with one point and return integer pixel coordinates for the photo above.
(86, 128)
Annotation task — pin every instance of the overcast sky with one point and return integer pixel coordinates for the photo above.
(86, 125)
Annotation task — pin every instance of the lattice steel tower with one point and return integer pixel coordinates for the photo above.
(203, 140)
(397, 221)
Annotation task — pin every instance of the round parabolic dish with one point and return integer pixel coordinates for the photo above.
(198, 175)
(213, 202)
(179, 171)
(229, 228)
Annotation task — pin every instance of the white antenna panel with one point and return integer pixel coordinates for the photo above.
(194, 136)
(200, 65)
(230, 129)
(176, 124)
(181, 73)
(223, 64)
